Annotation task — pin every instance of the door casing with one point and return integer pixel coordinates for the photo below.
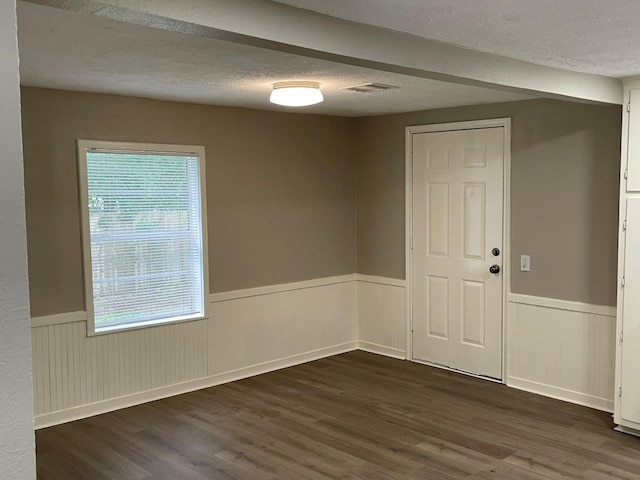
(506, 221)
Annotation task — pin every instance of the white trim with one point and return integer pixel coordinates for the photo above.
(382, 350)
(602, 310)
(408, 239)
(82, 146)
(456, 126)
(506, 245)
(506, 212)
(89, 410)
(628, 84)
(394, 282)
(58, 319)
(283, 287)
(627, 430)
(140, 147)
(561, 394)
(204, 226)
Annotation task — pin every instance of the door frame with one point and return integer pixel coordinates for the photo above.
(506, 221)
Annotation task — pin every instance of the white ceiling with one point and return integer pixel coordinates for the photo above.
(592, 36)
(74, 51)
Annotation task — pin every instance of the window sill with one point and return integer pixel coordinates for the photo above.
(127, 327)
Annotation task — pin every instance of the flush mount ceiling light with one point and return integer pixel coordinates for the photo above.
(296, 94)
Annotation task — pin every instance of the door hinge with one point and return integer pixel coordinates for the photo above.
(626, 174)
(629, 107)
(624, 225)
(619, 391)
(621, 336)
(622, 282)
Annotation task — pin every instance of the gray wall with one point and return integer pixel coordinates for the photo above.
(564, 194)
(280, 186)
(283, 190)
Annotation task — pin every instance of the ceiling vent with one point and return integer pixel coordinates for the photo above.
(369, 88)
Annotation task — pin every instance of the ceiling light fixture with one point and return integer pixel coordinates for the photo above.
(296, 94)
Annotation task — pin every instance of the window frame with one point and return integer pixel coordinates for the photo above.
(83, 146)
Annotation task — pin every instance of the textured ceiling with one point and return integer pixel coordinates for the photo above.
(591, 36)
(74, 51)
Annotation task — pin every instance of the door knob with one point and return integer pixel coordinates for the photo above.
(494, 269)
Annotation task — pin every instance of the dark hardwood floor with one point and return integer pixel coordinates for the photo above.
(355, 416)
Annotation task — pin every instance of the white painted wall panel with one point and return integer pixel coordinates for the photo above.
(73, 371)
(564, 354)
(627, 399)
(381, 318)
(560, 349)
(251, 331)
(630, 347)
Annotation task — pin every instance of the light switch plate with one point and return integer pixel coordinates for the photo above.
(525, 263)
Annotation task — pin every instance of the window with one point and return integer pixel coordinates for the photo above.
(144, 233)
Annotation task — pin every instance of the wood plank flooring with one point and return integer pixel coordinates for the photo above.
(355, 416)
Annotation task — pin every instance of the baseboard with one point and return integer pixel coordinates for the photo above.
(382, 350)
(578, 398)
(627, 430)
(97, 408)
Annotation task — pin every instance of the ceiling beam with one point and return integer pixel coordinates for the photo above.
(284, 28)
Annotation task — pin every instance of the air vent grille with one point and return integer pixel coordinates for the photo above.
(369, 88)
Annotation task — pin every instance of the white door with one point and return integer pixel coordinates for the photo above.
(457, 239)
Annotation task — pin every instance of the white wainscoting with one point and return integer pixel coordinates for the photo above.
(259, 329)
(381, 315)
(76, 376)
(555, 348)
(562, 349)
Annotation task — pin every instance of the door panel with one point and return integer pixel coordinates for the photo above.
(474, 220)
(438, 219)
(457, 221)
(473, 320)
(438, 306)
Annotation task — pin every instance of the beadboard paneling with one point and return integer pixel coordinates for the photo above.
(553, 350)
(562, 353)
(258, 329)
(71, 369)
(76, 376)
(381, 316)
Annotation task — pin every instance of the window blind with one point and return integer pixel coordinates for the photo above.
(146, 237)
